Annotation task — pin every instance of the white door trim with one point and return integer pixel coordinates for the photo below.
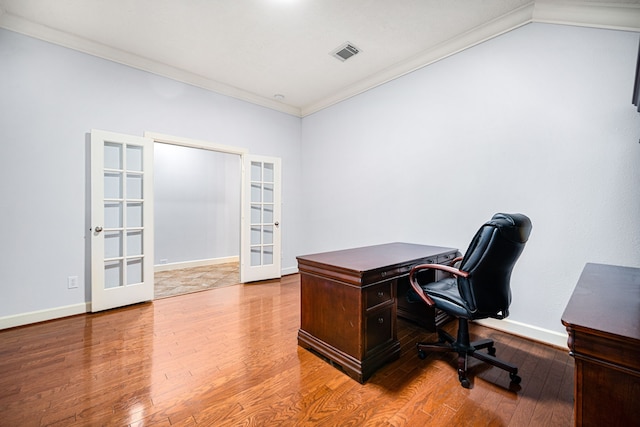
(206, 145)
(195, 143)
(244, 155)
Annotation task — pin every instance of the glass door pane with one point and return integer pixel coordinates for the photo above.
(122, 220)
(262, 201)
(261, 242)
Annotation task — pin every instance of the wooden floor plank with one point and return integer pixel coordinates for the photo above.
(229, 356)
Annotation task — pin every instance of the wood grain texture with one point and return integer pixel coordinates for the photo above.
(229, 357)
(604, 337)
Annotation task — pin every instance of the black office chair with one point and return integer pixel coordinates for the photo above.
(478, 289)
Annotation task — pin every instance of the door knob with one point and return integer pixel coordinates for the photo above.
(277, 224)
(98, 229)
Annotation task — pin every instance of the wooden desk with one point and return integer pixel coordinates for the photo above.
(603, 321)
(348, 302)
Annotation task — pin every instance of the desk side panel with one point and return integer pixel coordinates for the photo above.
(605, 396)
(331, 311)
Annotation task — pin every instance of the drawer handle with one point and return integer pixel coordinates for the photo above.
(384, 274)
(381, 320)
(380, 294)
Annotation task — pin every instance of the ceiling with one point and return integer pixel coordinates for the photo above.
(277, 53)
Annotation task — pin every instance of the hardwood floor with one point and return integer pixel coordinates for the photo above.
(229, 357)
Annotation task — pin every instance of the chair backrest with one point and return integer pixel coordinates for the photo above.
(489, 261)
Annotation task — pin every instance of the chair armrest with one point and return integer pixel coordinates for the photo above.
(416, 286)
(441, 267)
(456, 259)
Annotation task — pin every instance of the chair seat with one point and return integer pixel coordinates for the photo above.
(446, 296)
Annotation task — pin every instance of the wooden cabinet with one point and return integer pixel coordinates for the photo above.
(603, 322)
(348, 302)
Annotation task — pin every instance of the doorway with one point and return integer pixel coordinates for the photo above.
(122, 215)
(197, 213)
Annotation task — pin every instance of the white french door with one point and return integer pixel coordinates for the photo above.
(260, 256)
(121, 220)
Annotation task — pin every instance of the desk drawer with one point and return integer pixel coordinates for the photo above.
(388, 274)
(446, 259)
(380, 328)
(378, 294)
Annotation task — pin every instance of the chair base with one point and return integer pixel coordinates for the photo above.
(466, 349)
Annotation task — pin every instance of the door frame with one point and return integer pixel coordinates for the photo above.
(206, 145)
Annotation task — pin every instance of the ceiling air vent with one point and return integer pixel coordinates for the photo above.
(345, 51)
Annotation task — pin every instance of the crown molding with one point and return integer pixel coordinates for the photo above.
(28, 28)
(475, 36)
(615, 16)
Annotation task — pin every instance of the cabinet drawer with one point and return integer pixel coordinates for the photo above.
(378, 294)
(386, 274)
(446, 259)
(379, 328)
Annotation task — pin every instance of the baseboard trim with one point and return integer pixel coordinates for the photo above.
(545, 336)
(43, 315)
(289, 270)
(196, 263)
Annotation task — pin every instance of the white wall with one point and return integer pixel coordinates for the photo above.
(537, 121)
(196, 204)
(50, 97)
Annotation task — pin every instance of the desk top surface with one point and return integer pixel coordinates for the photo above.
(375, 257)
(606, 300)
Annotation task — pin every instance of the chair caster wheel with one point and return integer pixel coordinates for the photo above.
(515, 378)
(422, 355)
(464, 382)
(491, 351)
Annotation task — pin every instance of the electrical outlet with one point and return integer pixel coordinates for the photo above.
(72, 282)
